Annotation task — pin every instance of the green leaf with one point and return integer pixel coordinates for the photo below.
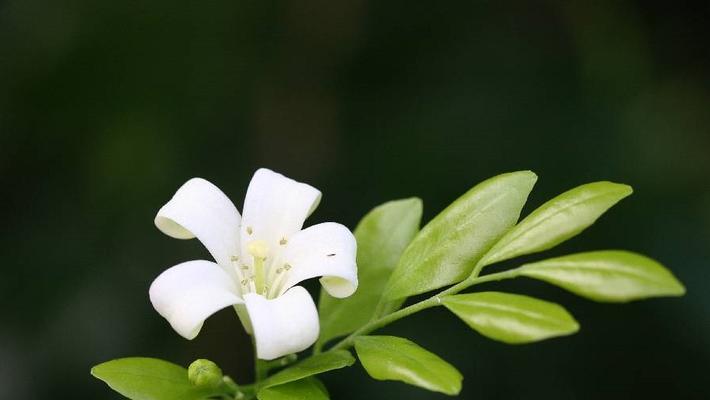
(304, 389)
(511, 318)
(398, 359)
(381, 237)
(448, 247)
(140, 378)
(311, 366)
(557, 220)
(609, 276)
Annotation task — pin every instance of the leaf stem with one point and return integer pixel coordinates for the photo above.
(424, 304)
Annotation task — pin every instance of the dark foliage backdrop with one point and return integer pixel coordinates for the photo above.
(107, 107)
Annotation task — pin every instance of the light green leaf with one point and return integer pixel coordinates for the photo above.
(304, 389)
(448, 247)
(398, 359)
(609, 276)
(381, 237)
(311, 366)
(557, 220)
(141, 378)
(511, 318)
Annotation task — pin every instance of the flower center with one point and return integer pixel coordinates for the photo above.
(267, 271)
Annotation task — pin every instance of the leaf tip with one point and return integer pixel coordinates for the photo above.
(625, 189)
(455, 388)
(574, 326)
(96, 371)
(622, 189)
(414, 200)
(532, 176)
(676, 288)
(416, 204)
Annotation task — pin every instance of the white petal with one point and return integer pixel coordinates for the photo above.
(326, 250)
(275, 208)
(188, 293)
(199, 209)
(284, 325)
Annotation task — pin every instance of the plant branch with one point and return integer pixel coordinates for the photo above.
(424, 304)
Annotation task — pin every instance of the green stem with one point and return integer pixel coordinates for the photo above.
(477, 270)
(261, 370)
(422, 305)
(261, 367)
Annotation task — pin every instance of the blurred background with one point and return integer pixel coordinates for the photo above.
(106, 108)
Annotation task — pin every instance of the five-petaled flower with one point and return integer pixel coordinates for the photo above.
(260, 257)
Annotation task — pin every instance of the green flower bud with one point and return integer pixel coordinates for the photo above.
(204, 372)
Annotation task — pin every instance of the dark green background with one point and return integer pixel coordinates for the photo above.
(107, 107)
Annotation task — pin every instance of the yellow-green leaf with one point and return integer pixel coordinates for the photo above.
(557, 220)
(609, 276)
(399, 359)
(140, 378)
(446, 250)
(511, 318)
(311, 366)
(304, 389)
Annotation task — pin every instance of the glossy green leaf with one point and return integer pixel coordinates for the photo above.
(382, 236)
(610, 276)
(398, 359)
(304, 389)
(448, 247)
(557, 220)
(311, 366)
(511, 318)
(141, 378)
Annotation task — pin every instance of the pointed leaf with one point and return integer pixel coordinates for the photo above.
(140, 378)
(395, 358)
(557, 220)
(609, 276)
(304, 389)
(448, 247)
(381, 237)
(511, 318)
(311, 366)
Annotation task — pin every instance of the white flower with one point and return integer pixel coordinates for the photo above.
(260, 257)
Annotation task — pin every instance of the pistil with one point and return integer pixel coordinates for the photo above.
(259, 250)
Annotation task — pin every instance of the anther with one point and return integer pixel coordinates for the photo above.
(245, 282)
(283, 241)
(244, 267)
(279, 270)
(287, 267)
(249, 230)
(331, 255)
(235, 258)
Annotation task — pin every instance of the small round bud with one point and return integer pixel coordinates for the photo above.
(204, 372)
